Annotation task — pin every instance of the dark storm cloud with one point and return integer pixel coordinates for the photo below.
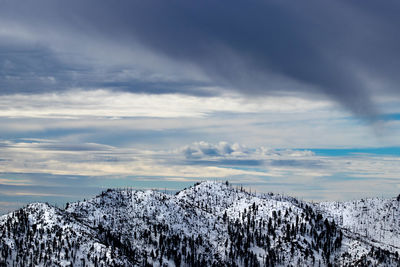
(29, 69)
(36, 68)
(256, 47)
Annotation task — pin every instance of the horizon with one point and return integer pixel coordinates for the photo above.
(298, 98)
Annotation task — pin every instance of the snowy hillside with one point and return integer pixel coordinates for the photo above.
(376, 220)
(209, 224)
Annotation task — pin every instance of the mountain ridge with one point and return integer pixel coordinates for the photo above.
(210, 223)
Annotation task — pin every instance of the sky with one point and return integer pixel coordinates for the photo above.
(293, 97)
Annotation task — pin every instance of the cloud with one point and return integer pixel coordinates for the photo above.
(297, 163)
(200, 158)
(30, 68)
(173, 120)
(342, 50)
(226, 154)
(79, 103)
(226, 162)
(222, 149)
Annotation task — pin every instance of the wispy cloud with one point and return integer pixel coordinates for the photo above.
(200, 159)
(104, 103)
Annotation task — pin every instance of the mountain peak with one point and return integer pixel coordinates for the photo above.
(210, 223)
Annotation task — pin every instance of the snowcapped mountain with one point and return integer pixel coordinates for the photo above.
(209, 224)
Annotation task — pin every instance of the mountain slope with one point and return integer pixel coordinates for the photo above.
(374, 220)
(209, 224)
